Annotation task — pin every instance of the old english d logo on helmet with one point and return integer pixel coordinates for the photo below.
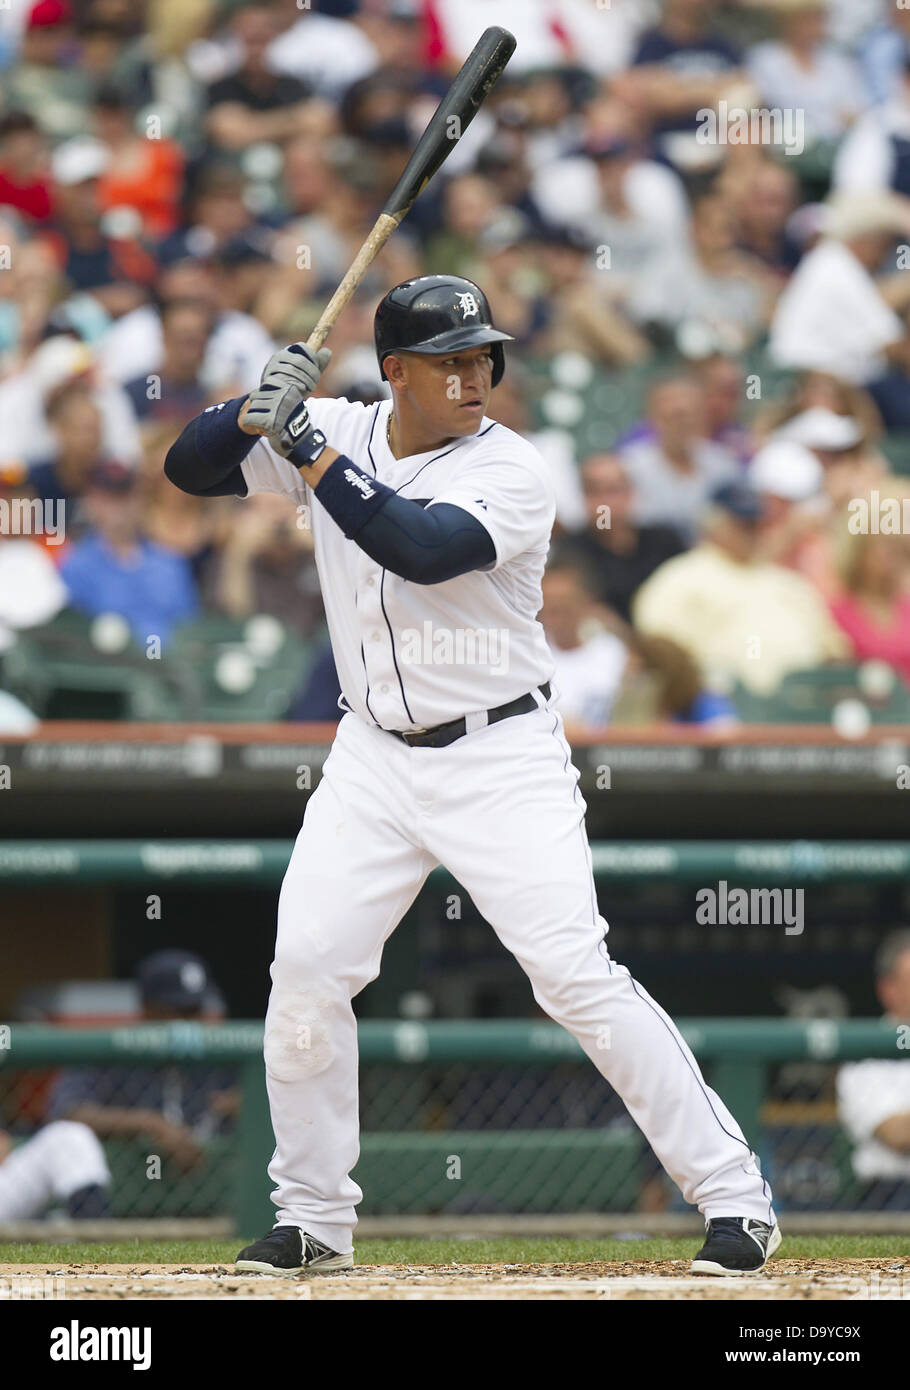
(438, 314)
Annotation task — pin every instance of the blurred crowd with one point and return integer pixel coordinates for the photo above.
(183, 182)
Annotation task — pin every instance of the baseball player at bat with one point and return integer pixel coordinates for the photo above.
(431, 525)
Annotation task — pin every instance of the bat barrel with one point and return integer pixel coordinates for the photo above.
(481, 70)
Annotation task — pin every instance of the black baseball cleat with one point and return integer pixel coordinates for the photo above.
(288, 1250)
(736, 1245)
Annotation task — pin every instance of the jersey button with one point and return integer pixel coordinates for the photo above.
(375, 637)
(384, 689)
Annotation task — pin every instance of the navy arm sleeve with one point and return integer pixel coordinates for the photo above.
(205, 460)
(424, 545)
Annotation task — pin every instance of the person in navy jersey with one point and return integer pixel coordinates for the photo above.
(680, 67)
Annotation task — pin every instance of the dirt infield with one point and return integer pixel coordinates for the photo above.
(846, 1279)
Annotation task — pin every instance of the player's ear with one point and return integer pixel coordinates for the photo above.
(396, 370)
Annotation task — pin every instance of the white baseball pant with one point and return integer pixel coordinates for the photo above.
(501, 810)
(59, 1160)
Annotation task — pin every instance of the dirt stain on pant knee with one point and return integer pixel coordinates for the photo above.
(298, 1040)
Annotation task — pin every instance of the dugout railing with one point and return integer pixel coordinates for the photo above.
(413, 1160)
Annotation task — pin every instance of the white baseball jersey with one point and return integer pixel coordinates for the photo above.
(869, 1093)
(410, 656)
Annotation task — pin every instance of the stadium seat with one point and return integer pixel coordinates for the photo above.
(896, 448)
(246, 669)
(59, 671)
(811, 697)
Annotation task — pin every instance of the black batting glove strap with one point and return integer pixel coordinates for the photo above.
(299, 440)
(351, 496)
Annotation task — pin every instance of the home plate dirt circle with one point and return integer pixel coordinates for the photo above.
(617, 1280)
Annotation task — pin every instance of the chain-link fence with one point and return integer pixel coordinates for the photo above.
(483, 1118)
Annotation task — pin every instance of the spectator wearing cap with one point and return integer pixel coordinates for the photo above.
(116, 569)
(788, 477)
(811, 390)
(873, 1096)
(25, 183)
(875, 155)
(802, 69)
(872, 604)
(176, 392)
(617, 553)
(176, 1108)
(142, 174)
(851, 464)
(47, 81)
(741, 618)
(116, 270)
(56, 363)
(837, 315)
(674, 471)
(255, 103)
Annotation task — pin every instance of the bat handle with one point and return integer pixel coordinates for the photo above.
(382, 230)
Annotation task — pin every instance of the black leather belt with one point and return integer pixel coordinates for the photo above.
(443, 734)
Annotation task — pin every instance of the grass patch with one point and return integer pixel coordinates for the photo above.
(503, 1250)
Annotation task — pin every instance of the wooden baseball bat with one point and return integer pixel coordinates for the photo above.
(479, 73)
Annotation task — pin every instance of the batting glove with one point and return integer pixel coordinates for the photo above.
(288, 378)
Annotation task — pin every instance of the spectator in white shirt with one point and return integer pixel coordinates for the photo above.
(675, 472)
(589, 660)
(25, 430)
(803, 70)
(876, 153)
(31, 590)
(633, 206)
(873, 1096)
(835, 315)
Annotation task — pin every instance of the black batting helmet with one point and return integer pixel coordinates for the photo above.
(438, 314)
